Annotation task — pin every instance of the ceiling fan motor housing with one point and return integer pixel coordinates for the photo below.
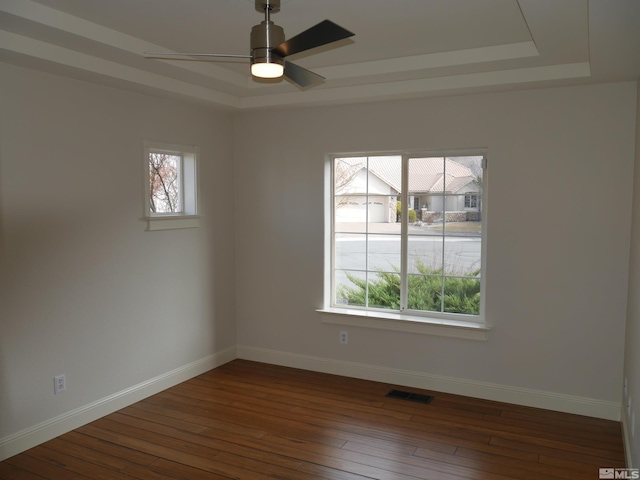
(264, 38)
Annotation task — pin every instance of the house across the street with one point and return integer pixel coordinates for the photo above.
(439, 187)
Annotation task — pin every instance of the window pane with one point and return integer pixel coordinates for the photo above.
(385, 175)
(424, 254)
(350, 287)
(426, 183)
(350, 252)
(350, 213)
(462, 256)
(384, 290)
(164, 183)
(348, 176)
(462, 295)
(383, 253)
(424, 293)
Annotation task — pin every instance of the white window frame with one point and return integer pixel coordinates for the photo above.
(188, 216)
(470, 327)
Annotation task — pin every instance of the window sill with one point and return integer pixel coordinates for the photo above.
(405, 323)
(172, 222)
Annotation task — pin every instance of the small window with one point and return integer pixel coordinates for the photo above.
(471, 200)
(170, 186)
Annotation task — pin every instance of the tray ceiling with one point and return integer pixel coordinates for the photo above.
(402, 49)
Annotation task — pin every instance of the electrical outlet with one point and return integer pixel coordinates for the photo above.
(59, 384)
(344, 337)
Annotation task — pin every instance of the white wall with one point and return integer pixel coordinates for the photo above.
(632, 346)
(84, 289)
(560, 189)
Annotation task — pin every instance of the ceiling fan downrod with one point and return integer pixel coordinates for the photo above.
(271, 5)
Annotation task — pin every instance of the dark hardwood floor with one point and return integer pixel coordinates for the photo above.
(250, 420)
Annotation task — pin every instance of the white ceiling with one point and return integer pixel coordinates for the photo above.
(402, 48)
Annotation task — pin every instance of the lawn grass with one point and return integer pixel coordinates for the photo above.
(458, 227)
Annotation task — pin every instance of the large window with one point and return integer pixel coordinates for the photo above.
(407, 235)
(171, 186)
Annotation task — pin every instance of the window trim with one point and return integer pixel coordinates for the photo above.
(399, 322)
(434, 323)
(189, 216)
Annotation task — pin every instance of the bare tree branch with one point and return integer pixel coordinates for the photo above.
(163, 177)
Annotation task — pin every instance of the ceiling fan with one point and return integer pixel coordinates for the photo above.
(269, 48)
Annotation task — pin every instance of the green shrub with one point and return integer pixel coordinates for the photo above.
(412, 213)
(461, 294)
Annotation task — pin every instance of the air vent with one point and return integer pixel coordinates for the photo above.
(412, 397)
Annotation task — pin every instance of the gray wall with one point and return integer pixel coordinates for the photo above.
(84, 289)
(559, 215)
(632, 346)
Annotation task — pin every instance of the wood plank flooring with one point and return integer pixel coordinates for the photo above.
(248, 420)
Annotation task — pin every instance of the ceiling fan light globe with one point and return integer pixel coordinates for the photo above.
(267, 70)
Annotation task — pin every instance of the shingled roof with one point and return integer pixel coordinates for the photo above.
(429, 175)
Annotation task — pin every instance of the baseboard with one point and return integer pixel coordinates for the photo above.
(489, 391)
(29, 438)
(626, 438)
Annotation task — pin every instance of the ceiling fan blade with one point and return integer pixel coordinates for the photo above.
(316, 36)
(176, 55)
(300, 75)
